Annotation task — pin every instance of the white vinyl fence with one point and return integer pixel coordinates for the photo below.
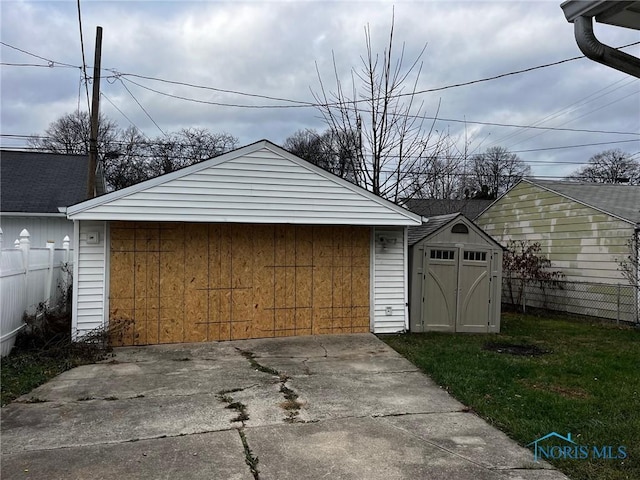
(29, 277)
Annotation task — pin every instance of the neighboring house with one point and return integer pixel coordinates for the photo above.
(583, 228)
(428, 207)
(254, 243)
(33, 188)
(454, 275)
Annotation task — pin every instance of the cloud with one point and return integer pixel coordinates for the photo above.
(273, 49)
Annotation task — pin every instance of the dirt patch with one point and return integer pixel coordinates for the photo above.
(515, 349)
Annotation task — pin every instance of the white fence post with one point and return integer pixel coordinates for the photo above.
(0, 242)
(48, 284)
(25, 246)
(66, 245)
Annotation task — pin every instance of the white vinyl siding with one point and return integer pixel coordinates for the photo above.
(389, 281)
(583, 242)
(260, 186)
(90, 279)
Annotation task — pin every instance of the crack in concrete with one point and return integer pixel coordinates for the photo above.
(403, 414)
(119, 442)
(291, 404)
(249, 458)
(440, 447)
(326, 352)
(305, 367)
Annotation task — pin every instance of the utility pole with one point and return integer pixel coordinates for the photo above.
(95, 111)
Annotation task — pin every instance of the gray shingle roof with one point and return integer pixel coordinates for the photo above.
(620, 200)
(427, 207)
(35, 182)
(415, 234)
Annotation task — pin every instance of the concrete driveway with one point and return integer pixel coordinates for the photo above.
(336, 407)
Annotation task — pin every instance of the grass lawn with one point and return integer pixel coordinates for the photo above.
(31, 363)
(587, 384)
(22, 372)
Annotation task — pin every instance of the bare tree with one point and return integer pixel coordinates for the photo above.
(442, 178)
(495, 171)
(127, 156)
(610, 166)
(333, 151)
(128, 164)
(393, 146)
(186, 147)
(70, 134)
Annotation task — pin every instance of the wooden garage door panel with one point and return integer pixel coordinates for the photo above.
(180, 282)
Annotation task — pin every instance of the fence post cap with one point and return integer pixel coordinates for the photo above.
(25, 233)
(66, 238)
(16, 243)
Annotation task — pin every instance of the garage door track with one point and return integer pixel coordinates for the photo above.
(338, 407)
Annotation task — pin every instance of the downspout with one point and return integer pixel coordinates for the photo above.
(601, 53)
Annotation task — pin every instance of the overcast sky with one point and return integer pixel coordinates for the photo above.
(272, 49)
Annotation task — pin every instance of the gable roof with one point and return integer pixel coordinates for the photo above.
(36, 182)
(432, 224)
(622, 201)
(471, 207)
(438, 222)
(259, 183)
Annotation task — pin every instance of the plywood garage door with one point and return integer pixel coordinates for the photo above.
(188, 282)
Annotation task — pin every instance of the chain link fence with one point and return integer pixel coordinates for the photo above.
(619, 302)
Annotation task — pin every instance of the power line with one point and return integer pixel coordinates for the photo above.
(84, 63)
(48, 60)
(306, 104)
(219, 104)
(143, 109)
(122, 113)
(150, 142)
(301, 103)
(214, 89)
(49, 65)
(579, 117)
(572, 146)
(502, 75)
(566, 109)
(425, 117)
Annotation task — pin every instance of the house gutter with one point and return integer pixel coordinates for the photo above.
(601, 53)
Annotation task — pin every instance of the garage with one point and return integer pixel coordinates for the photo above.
(455, 276)
(255, 243)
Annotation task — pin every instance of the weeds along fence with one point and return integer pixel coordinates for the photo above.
(619, 302)
(29, 277)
